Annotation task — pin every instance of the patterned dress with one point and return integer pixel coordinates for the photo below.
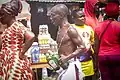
(11, 66)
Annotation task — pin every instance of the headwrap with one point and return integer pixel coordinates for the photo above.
(12, 8)
(90, 15)
(112, 9)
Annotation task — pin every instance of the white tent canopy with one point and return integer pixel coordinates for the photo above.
(25, 13)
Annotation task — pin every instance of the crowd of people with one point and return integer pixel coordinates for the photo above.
(90, 45)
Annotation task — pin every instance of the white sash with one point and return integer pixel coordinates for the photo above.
(70, 73)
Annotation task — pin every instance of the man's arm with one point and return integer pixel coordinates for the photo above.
(73, 34)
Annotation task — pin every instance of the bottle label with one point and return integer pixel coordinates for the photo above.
(52, 63)
(35, 51)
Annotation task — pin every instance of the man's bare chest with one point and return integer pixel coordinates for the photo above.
(62, 37)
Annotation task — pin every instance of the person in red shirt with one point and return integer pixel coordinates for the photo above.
(109, 51)
(90, 13)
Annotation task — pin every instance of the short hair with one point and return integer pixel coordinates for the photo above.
(74, 13)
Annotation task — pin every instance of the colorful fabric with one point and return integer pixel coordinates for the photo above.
(110, 43)
(12, 67)
(87, 35)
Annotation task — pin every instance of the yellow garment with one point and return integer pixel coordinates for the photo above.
(87, 67)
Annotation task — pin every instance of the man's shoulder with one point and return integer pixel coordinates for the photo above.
(72, 31)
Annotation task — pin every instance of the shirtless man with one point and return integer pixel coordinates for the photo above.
(69, 42)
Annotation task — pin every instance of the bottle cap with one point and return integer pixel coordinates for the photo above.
(35, 43)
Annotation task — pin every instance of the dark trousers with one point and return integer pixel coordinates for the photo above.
(110, 67)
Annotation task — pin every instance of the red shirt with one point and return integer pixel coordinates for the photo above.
(110, 43)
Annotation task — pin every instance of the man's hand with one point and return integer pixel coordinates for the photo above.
(63, 59)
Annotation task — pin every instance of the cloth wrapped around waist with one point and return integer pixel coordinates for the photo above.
(85, 56)
(73, 70)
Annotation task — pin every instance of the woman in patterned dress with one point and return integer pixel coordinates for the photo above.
(16, 40)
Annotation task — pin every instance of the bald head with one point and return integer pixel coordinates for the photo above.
(59, 9)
